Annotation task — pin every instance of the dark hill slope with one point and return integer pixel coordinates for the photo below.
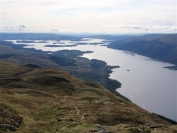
(159, 47)
(90, 70)
(169, 39)
(51, 100)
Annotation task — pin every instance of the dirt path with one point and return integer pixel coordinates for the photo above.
(78, 112)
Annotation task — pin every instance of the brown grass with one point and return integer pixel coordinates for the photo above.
(65, 107)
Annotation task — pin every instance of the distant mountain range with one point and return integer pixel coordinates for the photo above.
(162, 47)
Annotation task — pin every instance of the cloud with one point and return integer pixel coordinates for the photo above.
(53, 29)
(13, 28)
(143, 29)
(21, 27)
(88, 15)
(136, 28)
(7, 28)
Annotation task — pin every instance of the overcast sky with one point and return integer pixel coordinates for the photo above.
(89, 16)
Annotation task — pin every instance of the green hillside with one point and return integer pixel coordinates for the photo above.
(52, 101)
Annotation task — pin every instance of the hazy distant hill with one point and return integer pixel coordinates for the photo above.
(36, 36)
(161, 47)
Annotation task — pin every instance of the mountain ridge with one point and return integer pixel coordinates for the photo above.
(161, 47)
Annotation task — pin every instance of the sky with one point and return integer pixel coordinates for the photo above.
(89, 16)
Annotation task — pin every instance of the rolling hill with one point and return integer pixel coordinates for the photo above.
(34, 99)
(90, 70)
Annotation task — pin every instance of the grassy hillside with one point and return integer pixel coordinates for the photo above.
(52, 101)
(90, 70)
(160, 47)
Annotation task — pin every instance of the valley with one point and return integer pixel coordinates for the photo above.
(37, 94)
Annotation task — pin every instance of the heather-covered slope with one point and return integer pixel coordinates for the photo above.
(51, 100)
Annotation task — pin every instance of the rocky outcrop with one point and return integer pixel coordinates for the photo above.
(9, 118)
